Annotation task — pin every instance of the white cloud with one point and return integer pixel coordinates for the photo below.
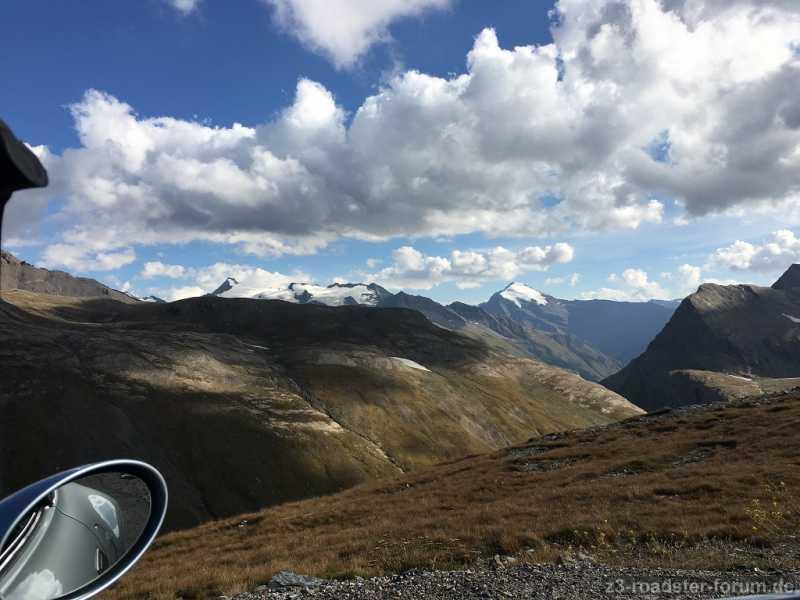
(185, 7)
(688, 279)
(474, 153)
(776, 254)
(572, 280)
(178, 293)
(635, 286)
(78, 259)
(343, 31)
(468, 268)
(159, 269)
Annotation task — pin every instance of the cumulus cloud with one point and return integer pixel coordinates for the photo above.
(776, 254)
(159, 269)
(185, 7)
(576, 120)
(412, 269)
(178, 293)
(345, 32)
(634, 285)
(688, 279)
(82, 260)
(572, 280)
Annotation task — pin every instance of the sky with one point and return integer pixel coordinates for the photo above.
(621, 149)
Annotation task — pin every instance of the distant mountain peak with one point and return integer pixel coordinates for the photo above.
(790, 279)
(335, 294)
(225, 286)
(519, 292)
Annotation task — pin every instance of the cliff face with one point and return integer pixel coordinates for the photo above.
(741, 330)
(789, 280)
(19, 275)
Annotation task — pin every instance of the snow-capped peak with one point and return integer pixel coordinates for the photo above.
(336, 294)
(516, 292)
(225, 286)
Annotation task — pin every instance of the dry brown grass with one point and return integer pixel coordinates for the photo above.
(675, 490)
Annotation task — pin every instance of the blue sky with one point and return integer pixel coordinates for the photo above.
(428, 145)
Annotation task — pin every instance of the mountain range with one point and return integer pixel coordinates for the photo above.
(347, 383)
(594, 338)
(243, 404)
(723, 342)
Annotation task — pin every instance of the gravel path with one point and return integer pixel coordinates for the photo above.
(577, 581)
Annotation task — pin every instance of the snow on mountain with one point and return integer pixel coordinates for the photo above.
(516, 292)
(336, 294)
(410, 363)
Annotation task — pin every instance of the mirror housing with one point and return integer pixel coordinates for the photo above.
(20, 169)
(15, 508)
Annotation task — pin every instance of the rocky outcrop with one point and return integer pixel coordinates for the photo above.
(741, 330)
(16, 274)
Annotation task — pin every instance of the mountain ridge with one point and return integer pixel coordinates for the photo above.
(559, 332)
(740, 330)
(592, 338)
(18, 274)
(307, 397)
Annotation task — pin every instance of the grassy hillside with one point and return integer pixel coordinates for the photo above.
(245, 403)
(717, 487)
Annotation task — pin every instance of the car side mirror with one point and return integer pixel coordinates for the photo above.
(19, 168)
(73, 534)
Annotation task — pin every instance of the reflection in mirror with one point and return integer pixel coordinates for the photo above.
(73, 536)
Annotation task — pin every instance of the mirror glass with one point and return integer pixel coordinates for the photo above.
(76, 534)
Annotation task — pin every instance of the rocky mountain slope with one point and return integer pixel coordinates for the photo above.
(17, 274)
(741, 334)
(244, 403)
(619, 331)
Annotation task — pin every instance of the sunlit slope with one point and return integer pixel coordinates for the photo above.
(245, 403)
(710, 488)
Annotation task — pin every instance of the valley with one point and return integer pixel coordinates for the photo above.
(303, 399)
